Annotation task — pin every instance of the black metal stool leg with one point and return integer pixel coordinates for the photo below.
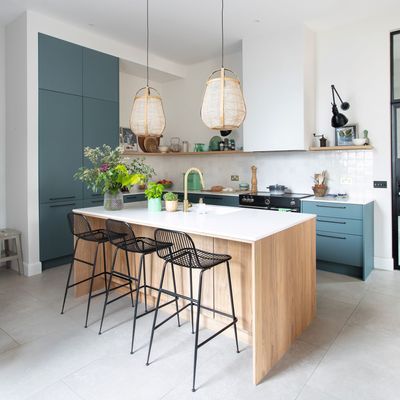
(232, 304)
(176, 298)
(191, 297)
(144, 282)
(156, 311)
(196, 344)
(141, 266)
(69, 276)
(105, 266)
(108, 288)
(129, 274)
(91, 284)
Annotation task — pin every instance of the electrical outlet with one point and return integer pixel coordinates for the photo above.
(234, 177)
(380, 184)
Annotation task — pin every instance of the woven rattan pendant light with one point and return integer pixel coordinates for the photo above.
(147, 116)
(223, 107)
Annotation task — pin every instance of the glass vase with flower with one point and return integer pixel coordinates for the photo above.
(107, 175)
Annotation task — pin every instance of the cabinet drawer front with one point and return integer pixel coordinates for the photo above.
(131, 198)
(339, 225)
(340, 248)
(330, 209)
(55, 237)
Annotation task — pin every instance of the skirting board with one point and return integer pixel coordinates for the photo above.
(383, 263)
(32, 268)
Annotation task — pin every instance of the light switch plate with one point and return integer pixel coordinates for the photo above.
(234, 177)
(380, 184)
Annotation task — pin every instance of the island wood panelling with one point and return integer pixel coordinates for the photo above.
(273, 284)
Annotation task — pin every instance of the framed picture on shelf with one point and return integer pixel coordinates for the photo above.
(127, 139)
(344, 136)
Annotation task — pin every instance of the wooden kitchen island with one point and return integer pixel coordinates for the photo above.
(273, 269)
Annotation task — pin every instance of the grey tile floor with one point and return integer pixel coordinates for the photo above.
(351, 350)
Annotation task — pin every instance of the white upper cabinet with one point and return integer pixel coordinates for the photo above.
(278, 83)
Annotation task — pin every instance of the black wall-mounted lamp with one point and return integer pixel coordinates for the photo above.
(338, 119)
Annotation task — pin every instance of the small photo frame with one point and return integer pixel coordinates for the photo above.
(344, 136)
(127, 139)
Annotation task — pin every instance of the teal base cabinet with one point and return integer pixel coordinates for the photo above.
(345, 236)
(56, 241)
(212, 199)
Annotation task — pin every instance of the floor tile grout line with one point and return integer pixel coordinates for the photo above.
(11, 337)
(332, 343)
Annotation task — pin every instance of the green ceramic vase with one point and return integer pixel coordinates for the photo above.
(154, 205)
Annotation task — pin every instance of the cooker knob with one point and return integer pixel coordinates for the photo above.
(267, 202)
(251, 199)
(292, 203)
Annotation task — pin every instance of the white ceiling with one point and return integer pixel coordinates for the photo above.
(188, 31)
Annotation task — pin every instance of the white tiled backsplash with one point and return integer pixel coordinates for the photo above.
(348, 171)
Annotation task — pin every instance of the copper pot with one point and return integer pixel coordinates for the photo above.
(320, 190)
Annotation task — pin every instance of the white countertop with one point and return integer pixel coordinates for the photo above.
(232, 223)
(360, 200)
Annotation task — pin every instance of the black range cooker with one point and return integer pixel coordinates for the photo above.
(289, 202)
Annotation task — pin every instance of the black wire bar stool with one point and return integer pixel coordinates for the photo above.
(81, 229)
(122, 236)
(182, 252)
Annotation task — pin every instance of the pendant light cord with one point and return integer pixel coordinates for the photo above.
(222, 33)
(147, 45)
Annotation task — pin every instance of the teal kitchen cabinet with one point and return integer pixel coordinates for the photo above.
(56, 241)
(213, 199)
(60, 65)
(100, 75)
(132, 198)
(78, 106)
(60, 146)
(345, 236)
(100, 126)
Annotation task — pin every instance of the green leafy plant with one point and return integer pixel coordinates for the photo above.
(138, 166)
(154, 190)
(170, 196)
(107, 173)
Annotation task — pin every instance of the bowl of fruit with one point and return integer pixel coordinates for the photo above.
(166, 183)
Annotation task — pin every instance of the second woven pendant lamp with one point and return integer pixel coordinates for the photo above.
(223, 107)
(147, 116)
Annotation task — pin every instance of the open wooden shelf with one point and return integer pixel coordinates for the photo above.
(181, 153)
(334, 148)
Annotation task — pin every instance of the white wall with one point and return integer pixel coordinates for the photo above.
(2, 128)
(16, 132)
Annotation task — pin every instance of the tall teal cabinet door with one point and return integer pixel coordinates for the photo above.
(60, 146)
(60, 65)
(100, 126)
(100, 75)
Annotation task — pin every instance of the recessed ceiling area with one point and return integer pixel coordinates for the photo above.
(188, 31)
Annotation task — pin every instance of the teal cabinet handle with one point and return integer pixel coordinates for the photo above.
(332, 222)
(61, 198)
(62, 205)
(332, 237)
(342, 208)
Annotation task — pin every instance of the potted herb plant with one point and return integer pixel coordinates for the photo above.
(138, 166)
(153, 194)
(107, 174)
(171, 201)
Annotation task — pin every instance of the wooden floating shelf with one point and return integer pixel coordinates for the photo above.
(334, 148)
(181, 153)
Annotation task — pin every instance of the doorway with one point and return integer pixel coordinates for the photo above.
(395, 105)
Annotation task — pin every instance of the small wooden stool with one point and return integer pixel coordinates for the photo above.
(8, 255)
